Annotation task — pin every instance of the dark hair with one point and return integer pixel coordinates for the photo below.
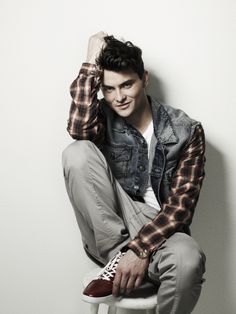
(120, 56)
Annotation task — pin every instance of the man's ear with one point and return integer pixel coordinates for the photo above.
(145, 78)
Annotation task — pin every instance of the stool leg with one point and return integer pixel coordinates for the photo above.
(111, 309)
(94, 308)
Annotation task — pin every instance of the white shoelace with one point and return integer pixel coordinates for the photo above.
(109, 271)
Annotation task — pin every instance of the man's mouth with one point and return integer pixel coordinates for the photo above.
(124, 105)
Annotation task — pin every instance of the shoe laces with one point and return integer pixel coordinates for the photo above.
(109, 271)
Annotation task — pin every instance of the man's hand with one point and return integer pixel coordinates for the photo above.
(96, 43)
(129, 273)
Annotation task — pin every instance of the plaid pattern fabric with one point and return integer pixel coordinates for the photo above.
(178, 210)
(86, 123)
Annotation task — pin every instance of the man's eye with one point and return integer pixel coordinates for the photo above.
(108, 89)
(127, 85)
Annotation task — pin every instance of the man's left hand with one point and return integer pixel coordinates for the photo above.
(129, 273)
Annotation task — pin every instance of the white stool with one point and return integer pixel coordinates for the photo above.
(144, 303)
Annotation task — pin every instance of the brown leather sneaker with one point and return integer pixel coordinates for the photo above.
(99, 290)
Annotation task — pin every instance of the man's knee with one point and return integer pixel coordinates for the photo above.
(76, 154)
(179, 257)
(189, 257)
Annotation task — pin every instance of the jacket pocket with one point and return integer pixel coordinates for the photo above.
(118, 159)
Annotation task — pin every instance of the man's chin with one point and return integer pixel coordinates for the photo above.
(124, 113)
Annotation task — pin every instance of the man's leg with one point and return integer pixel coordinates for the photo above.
(178, 266)
(107, 217)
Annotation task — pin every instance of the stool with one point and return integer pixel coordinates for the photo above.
(135, 303)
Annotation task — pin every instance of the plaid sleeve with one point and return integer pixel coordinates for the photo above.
(85, 120)
(178, 210)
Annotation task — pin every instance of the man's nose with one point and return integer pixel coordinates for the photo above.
(120, 97)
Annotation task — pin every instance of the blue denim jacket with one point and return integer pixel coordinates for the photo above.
(127, 154)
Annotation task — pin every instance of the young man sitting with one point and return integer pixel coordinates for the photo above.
(133, 176)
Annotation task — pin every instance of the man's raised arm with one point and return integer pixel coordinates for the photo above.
(85, 119)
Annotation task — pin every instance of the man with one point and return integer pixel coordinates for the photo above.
(133, 177)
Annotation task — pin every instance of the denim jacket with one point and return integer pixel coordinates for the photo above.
(127, 154)
(176, 160)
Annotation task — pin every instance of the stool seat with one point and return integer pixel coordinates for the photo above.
(140, 301)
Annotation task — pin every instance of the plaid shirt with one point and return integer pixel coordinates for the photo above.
(86, 123)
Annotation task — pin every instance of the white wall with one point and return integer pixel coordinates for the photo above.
(189, 47)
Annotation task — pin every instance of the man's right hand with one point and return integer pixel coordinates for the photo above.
(95, 45)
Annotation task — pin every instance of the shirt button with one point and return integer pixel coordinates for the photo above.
(144, 254)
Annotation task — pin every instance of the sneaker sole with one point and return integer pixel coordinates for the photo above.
(107, 299)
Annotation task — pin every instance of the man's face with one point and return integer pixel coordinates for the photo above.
(124, 92)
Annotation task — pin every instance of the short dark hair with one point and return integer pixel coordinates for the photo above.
(120, 56)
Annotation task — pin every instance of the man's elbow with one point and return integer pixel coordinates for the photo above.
(75, 136)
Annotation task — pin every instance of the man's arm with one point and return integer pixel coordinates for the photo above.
(85, 120)
(176, 212)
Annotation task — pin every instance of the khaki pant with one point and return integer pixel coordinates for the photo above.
(108, 219)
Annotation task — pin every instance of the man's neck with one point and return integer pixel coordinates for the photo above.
(142, 118)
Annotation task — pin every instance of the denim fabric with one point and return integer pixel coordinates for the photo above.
(125, 149)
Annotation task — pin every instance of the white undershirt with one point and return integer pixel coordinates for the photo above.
(149, 195)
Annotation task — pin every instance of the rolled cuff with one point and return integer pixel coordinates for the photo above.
(143, 250)
(90, 69)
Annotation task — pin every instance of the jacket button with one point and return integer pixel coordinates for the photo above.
(142, 168)
(136, 187)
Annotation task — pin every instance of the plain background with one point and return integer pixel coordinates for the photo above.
(189, 49)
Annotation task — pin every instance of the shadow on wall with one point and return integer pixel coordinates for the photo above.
(155, 87)
(210, 226)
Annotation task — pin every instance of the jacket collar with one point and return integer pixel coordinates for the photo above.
(163, 127)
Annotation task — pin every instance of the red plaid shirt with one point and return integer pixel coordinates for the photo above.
(86, 123)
